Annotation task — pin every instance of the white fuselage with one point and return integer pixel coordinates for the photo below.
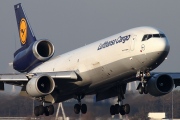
(112, 59)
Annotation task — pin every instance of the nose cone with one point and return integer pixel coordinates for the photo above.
(157, 43)
(161, 49)
(162, 45)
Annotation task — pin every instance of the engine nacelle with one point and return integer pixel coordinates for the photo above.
(40, 86)
(160, 84)
(37, 52)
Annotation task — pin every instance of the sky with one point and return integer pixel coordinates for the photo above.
(72, 24)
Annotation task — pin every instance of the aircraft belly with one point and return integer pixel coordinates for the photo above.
(115, 71)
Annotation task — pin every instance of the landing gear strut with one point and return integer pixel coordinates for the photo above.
(120, 108)
(142, 87)
(80, 107)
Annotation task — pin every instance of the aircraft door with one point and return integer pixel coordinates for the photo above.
(133, 42)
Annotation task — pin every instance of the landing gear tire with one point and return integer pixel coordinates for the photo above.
(112, 110)
(46, 112)
(77, 108)
(142, 87)
(123, 109)
(36, 111)
(41, 109)
(122, 112)
(80, 107)
(117, 108)
(145, 90)
(51, 109)
(141, 90)
(127, 108)
(83, 108)
(120, 108)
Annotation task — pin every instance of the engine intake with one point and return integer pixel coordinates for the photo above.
(159, 84)
(40, 85)
(43, 50)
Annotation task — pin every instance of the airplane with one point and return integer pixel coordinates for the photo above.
(102, 68)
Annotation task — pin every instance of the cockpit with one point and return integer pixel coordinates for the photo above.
(148, 36)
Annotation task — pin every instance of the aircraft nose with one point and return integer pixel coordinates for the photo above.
(166, 45)
(162, 45)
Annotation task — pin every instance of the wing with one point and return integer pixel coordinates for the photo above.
(21, 79)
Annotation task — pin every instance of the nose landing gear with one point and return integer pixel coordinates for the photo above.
(142, 87)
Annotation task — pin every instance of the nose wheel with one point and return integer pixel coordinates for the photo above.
(142, 87)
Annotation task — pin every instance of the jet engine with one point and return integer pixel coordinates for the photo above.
(38, 52)
(160, 84)
(40, 85)
(43, 50)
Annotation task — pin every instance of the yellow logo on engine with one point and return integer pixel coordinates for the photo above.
(23, 31)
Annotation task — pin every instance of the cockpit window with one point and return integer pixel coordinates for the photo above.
(156, 35)
(162, 35)
(148, 36)
(145, 37)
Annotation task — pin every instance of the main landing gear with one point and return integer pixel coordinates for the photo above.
(142, 87)
(42, 109)
(47, 110)
(80, 107)
(120, 108)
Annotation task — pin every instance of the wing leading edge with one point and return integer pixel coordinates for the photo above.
(22, 78)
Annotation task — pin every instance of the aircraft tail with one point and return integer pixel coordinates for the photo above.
(26, 34)
(32, 52)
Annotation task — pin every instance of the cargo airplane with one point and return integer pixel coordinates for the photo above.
(102, 68)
